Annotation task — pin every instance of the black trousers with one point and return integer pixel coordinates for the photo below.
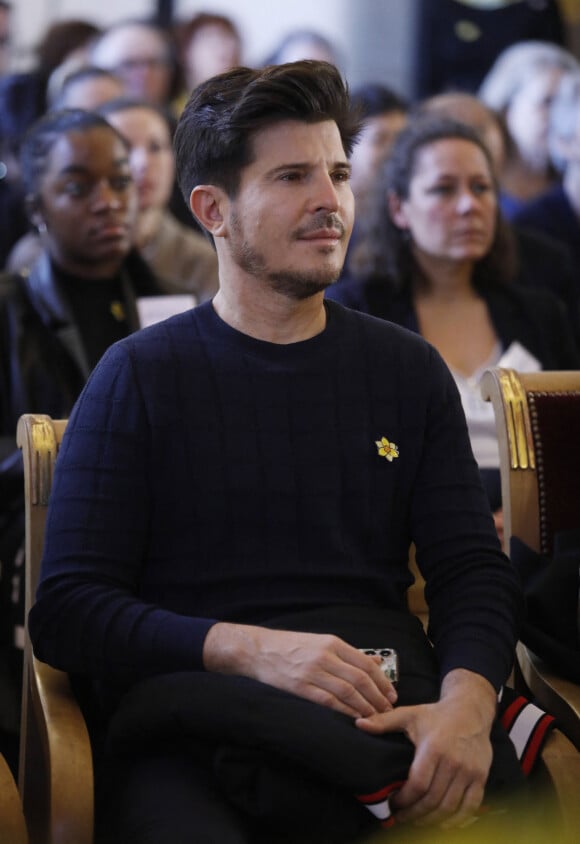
(172, 797)
(195, 757)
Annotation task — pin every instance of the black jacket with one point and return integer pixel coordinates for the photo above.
(533, 317)
(43, 365)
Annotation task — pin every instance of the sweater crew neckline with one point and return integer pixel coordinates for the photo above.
(221, 331)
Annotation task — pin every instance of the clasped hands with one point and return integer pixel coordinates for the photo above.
(451, 736)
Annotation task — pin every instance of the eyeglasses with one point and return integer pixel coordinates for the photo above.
(149, 62)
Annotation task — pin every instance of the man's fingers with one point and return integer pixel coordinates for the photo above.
(443, 800)
(468, 808)
(326, 698)
(371, 673)
(391, 721)
(439, 789)
(422, 791)
(447, 795)
(349, 689)
(318, 667)
(358, 682)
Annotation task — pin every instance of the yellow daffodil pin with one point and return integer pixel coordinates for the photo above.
(387, 449)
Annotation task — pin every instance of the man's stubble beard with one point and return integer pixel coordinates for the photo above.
(291, 283)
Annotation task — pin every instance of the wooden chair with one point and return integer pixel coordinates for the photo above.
(538, 424)
(56, 779)
(12, 824)
(55, 767)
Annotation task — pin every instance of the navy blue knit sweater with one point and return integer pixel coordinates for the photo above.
(208, 475)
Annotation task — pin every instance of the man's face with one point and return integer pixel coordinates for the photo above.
(87, 201)
(290, 223)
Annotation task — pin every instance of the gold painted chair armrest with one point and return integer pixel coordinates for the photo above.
(12, 824)
(561, 761)
(557, 695)
(68, 755)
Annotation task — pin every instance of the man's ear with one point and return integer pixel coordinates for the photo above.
(208, 204)
(396, 210)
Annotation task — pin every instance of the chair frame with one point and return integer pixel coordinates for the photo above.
(56, 774)
(508, 391)
(12, 823)
(55, 766)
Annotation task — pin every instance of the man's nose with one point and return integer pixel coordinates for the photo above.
(326, 195)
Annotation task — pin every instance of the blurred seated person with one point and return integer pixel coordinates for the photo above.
(24, 96)
(470, 109)
(543, 260)
(556, 212)
(458, 40)
(437, 260)
(182, 259)
(65, 40)
(383, 113)
(80, 296)
(301, 44)
(86, 87)
(207, 44)
(520, 86)
(142, 55)
(23, 99)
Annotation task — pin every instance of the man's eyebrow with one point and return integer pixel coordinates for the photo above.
(342, 164)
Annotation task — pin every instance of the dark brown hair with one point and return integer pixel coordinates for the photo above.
(213, 140)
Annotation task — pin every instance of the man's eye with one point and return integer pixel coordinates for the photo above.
(341, 176)
(290, 177)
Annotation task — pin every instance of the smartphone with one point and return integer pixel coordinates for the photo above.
(389, 661)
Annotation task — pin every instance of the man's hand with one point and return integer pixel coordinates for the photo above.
(452, 750)
(319, 667)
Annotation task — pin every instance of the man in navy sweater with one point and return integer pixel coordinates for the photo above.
(238, 489)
